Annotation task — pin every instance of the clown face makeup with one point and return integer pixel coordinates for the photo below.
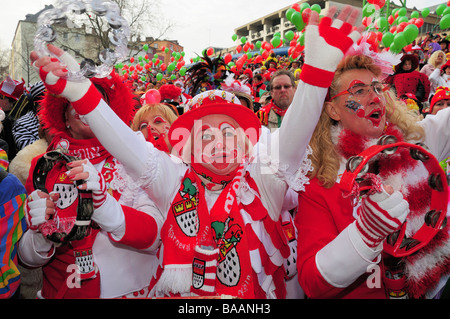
(362, 106)
(155, 125)
(217, 145)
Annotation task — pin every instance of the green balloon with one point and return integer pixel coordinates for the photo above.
(301, 39)
(243, 40)
(446, 11)
(440, 9)
(234, 37)
(159, 77)
(425, 12)
(402, 19)
(382, 22)
(368, 10)
(258, 44)
(402, 12)
(394, 49)
(445, 22)
(289, 35)
(400, 40)
(183, 71)
(316, 7)
(297, 19)
(171, 67)
(156, 56)
(145, 47)
(415, 14)
(276, 41)
(289, 13)
(304, 5)
(387, 39)
(411, 32)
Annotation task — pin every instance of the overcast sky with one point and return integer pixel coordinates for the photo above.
(199, 23)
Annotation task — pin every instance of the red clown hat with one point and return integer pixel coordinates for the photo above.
(209, 103)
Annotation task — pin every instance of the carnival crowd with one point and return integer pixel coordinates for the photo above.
(232, 183)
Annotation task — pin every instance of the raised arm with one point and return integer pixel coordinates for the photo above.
(325, 45)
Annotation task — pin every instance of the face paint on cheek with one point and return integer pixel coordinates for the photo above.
(355, 107)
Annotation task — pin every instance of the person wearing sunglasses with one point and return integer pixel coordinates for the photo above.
(341, 237)
(282, 90)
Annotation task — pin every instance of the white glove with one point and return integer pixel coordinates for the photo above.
(381, 214)
(84, 170)
(326, 43)
(39, 206)
(83, 95)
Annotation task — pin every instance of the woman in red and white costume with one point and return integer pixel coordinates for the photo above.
(116, 270)
(339, 244)
(222, 233)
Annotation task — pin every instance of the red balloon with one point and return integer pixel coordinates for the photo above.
(258, 59)
(152, 96)
(227, 58)
(163, 67)
(296, 7)
(210, 51)
(306, 14)
(132, 60)
(391, 19)
(239, 49)
(419, 22)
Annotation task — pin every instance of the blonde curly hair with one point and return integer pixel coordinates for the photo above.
(325, 158)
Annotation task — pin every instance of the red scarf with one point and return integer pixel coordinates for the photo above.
(90, 149)
(210, 180)
(278, 110)
(189, 223)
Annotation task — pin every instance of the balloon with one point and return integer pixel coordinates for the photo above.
(297, 19)
(411, 32)
(440, 9)
(403, 19)
(419, 22)
(446, 11)
(425, 12)
(382, 22)
(316, 7)
(159, 77)
(402, 12)
(258, 44)
(415, 14)
(305, 15)
(276, 41)
(227, 58)
(183, 71)
(445, 22)
(289, 35)
(153, 96)
(243, 40)
(368, 10)
(289, 13)
(304, 5)
(400, 41)
(163, 67)
(171, 67)
(234, 37)
(132, 60)
(239, 49)
(210, 51)
(145, 47)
